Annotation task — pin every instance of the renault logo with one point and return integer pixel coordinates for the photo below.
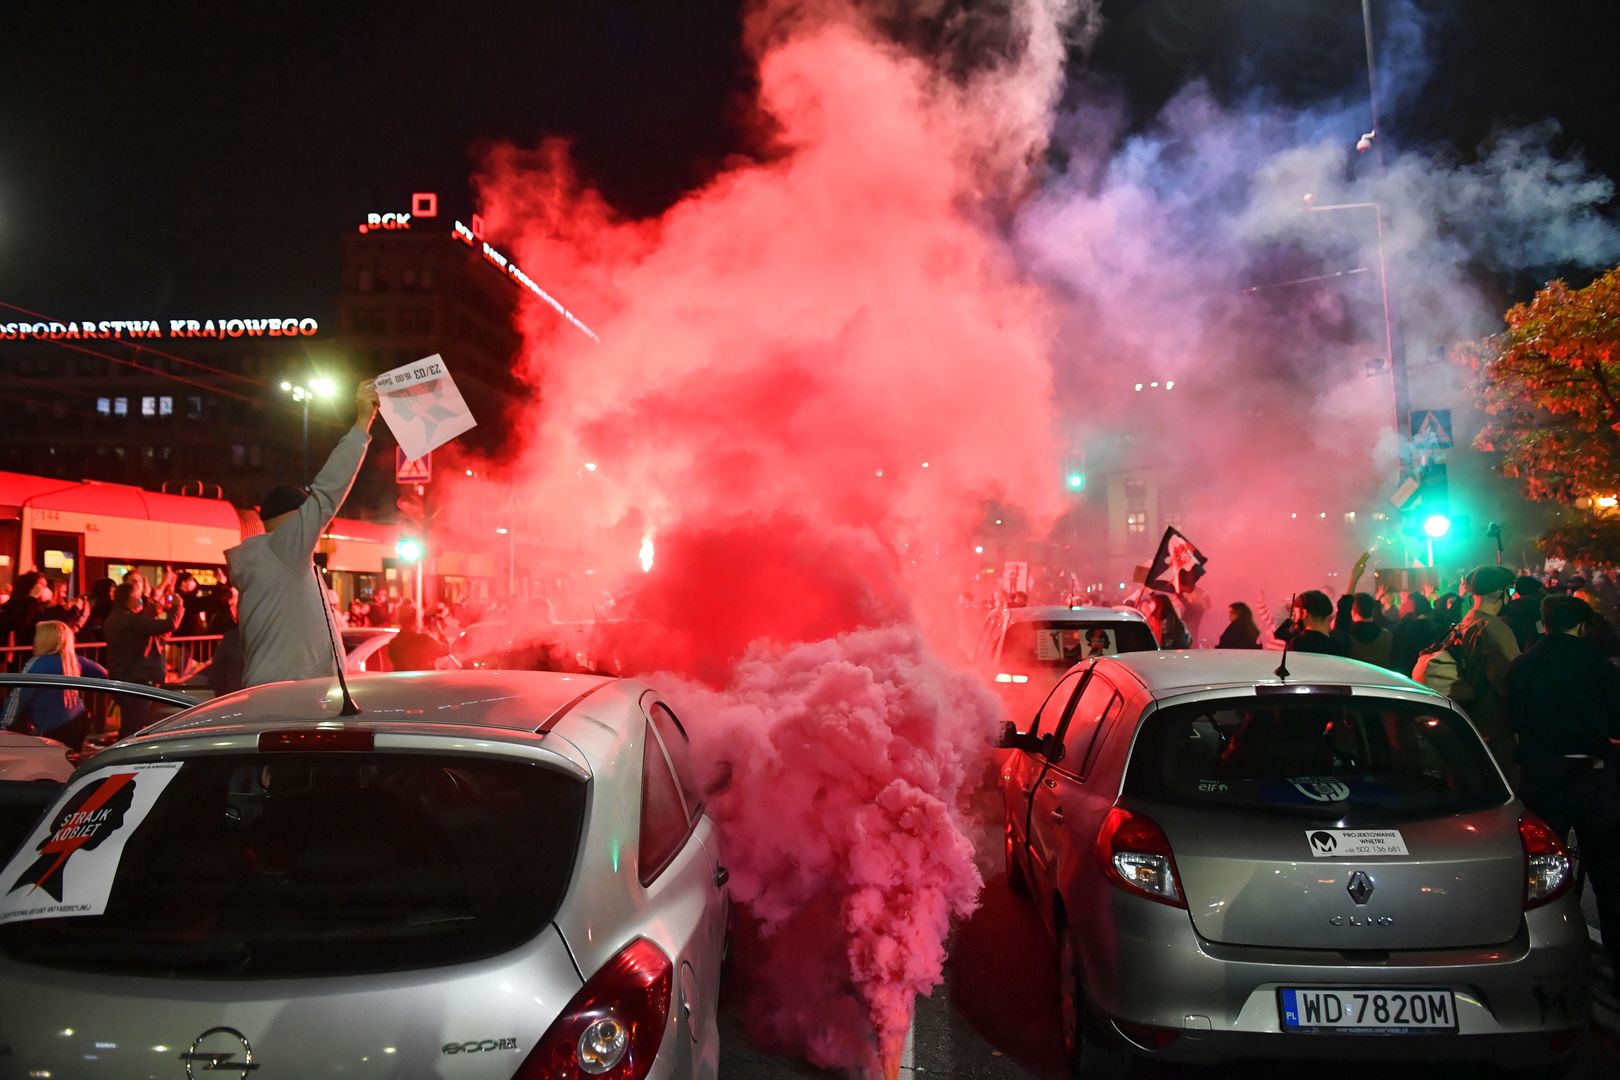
(1360, 888)
(215, 1050)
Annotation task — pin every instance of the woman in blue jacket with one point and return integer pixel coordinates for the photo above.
(57, 714)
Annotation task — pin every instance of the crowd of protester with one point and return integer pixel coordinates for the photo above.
(174, 632)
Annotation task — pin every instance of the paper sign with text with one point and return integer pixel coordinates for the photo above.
(67, 866)
(422, 407)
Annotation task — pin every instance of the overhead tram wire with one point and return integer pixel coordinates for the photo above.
(259, 384)
(212, 389)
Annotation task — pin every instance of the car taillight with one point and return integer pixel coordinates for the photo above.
(613, 1026)
(1136, 854)
(1546, 867)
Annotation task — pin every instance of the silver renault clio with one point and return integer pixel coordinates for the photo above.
(1320, 861)
(481, 875)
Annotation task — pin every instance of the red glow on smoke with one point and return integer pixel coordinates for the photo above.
(780, 353)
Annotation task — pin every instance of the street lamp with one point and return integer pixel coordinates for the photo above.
(317, 386)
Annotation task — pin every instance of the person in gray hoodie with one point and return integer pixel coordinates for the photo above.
(282, 604)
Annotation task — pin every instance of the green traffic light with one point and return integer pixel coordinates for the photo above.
(409, 550)
(1436, 525)
(1077, 481)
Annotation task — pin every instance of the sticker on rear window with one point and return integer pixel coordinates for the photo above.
(69, 862)
(1321, 788)
(1356, 843)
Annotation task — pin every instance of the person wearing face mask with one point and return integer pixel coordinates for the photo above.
(1564, 701)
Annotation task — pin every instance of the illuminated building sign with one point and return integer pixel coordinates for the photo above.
(473, 238)
(424, 204)
(106, 329)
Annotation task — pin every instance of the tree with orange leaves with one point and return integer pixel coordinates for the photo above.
(1550, 384)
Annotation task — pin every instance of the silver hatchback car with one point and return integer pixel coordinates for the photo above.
(482, 875)
(1238, 864)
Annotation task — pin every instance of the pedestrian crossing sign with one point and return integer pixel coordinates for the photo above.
(412, 471)
(1431, 429)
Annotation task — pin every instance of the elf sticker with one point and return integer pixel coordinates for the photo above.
(69, 862)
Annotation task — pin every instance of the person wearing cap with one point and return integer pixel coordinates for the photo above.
(1490, 649)
(282, 601)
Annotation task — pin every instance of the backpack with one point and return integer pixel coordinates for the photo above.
(1446, 666)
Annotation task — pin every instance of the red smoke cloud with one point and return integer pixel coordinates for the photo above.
(811, 375)
(848, 755)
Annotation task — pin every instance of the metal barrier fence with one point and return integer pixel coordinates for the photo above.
(184, 657)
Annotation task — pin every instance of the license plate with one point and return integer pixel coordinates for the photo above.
(1367, 1011)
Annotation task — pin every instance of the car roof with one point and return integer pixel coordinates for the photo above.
(1168, 672)
(514, 701)
(1059, 613)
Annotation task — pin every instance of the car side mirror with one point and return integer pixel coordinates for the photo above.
(719, 779)
(1008, 737)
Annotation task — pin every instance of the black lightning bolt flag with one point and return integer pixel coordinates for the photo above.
(1176, 566)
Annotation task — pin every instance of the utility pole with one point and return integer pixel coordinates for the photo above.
(1394, 340)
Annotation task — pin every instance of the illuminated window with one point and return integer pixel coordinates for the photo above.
(104, 406)
(148, 406)
(121, 406)
(165, 406)
(1136, 521)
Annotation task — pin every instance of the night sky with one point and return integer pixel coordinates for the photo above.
(163, 159)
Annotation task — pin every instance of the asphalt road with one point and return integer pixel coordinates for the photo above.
(996, 1018)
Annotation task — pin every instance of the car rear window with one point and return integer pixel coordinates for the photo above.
(1362, 759)
(294, 865)
(1061, 644)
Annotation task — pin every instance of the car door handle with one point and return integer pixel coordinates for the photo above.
(721, 876)
(1057, 814)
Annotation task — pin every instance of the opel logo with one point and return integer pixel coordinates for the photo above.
(215, 1050)
(1360, 888)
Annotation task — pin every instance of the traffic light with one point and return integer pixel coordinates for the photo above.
(1436, 525)
(410, 511)
(410, 549)
(1074, 473)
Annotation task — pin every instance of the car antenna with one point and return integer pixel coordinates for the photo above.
(349, 707)
(1282, 667)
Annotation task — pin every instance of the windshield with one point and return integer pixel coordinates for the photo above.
(1063, 644)
(1363, 759)
(292, 865)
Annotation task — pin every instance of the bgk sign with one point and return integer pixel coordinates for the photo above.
(424, 204)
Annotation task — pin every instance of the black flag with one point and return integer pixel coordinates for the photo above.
(1176, 566)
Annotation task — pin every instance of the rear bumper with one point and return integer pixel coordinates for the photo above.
(1514, 1001)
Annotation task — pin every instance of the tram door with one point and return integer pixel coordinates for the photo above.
(61, 556)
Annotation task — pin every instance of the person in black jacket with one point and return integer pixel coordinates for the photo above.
(1523, 612)
(1564, 704)
(1242, 632)
(1415, 631)
(1314, 611)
